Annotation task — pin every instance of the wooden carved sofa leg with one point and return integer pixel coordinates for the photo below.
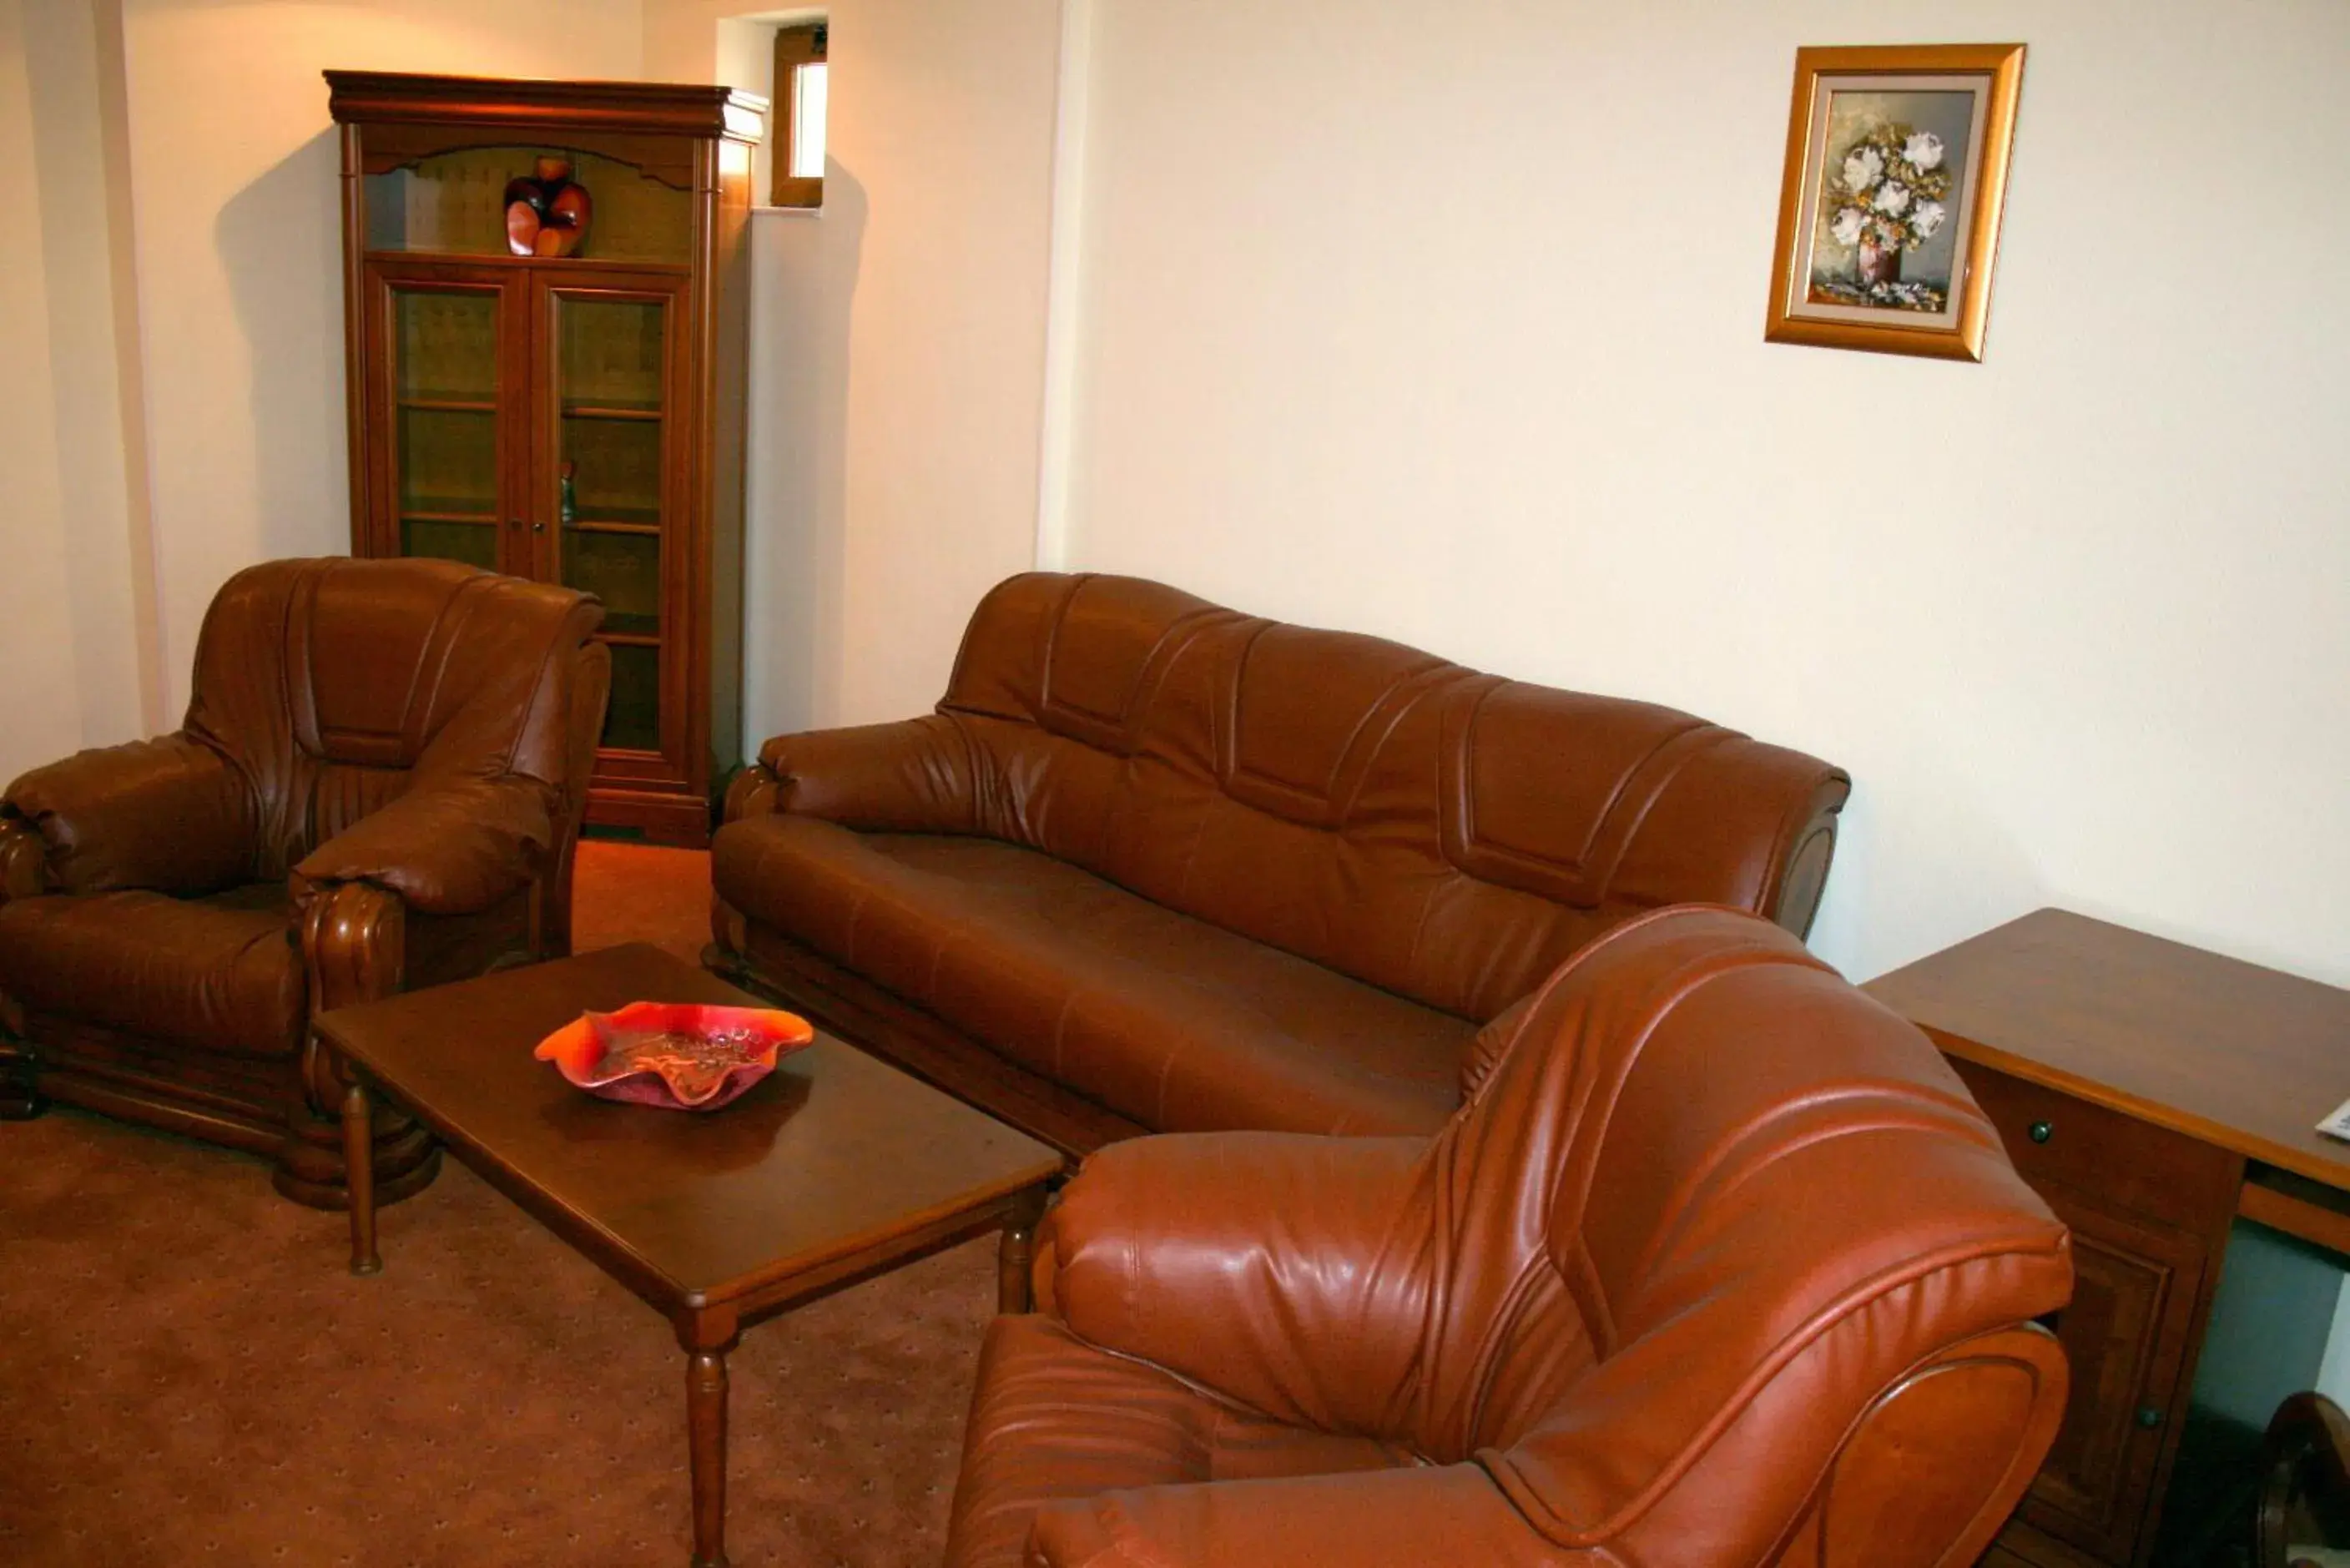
(24, 873)
(353, 938)
(20, 1090)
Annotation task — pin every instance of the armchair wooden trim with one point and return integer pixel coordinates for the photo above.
(24, 873)
(354, 949)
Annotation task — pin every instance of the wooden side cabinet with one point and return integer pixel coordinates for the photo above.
(2151, 1093)
(573, 414)
(2150, 1213)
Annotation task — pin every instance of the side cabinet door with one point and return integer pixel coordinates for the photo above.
(2126, 1337)
(446, 394)
(613, 476)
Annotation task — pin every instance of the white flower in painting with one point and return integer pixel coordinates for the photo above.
(1847, 227)
(1862, 168)
(1894, 198)
(1928, 218)
(1923, 148)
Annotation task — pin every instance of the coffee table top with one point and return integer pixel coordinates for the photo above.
(833, 1162)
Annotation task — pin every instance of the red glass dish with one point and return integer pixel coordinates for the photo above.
(680, 1056)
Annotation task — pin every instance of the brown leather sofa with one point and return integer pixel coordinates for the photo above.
(1721, 1267)
(1156, 865)
(378, 784)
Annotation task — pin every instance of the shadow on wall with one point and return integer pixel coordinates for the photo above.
(280, 242)
(797, 555)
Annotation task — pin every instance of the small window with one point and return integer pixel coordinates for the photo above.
(799, 116)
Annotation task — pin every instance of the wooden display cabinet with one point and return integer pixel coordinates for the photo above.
(576, 419)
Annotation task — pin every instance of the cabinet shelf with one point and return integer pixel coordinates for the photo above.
(608, 410)
(631, 638)
(581, 266)
(447, 402)
(613, 526)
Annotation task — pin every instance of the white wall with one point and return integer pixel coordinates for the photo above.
(1448, 325)
(899, 367)
(37, 642)
(235, 172)
(80, 591)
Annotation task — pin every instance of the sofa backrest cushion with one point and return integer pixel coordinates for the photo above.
(1445, 835)
(333, 685)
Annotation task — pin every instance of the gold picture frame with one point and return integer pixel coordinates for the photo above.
(1896, 155)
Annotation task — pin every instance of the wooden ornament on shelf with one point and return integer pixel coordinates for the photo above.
(546, 211)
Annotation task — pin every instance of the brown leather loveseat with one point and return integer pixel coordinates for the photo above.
(1159, 865)
(378, 784)
(1720, 1268)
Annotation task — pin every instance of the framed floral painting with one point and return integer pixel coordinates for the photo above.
(1888, 215)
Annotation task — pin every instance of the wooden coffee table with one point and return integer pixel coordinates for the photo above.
(832, 1169)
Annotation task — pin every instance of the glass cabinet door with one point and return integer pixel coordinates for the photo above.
(616, 485)
(442, 486)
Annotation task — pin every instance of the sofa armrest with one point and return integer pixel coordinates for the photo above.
(916, 775)
(170, 816)
(1794, 901)
(1286, 1270)
(446, 849)
(1365, 1518)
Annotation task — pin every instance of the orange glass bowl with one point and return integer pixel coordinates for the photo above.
(677, 1055)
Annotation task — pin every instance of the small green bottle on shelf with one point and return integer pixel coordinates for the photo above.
(567, 499)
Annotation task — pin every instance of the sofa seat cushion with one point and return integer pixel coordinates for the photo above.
(1055, 1417)
(1179, 1024)
(218, 974)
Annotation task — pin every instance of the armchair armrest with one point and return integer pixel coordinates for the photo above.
(1485, 1051)
(452, 847)
(1365, 1518)
(916, 775)
(1286, 1270)
(171, 814)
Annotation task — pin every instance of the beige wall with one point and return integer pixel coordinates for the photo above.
(42, 715)
(235, 173)
(1449, 328)
(74, 511)
(898, 370)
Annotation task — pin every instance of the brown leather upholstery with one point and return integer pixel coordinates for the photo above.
(1720, 1266)
(1159, 865)
(380, 781)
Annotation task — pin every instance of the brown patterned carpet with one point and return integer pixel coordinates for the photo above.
(189, 1376)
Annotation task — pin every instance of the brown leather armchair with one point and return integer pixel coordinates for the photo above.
(378, 785)
(1720, 1265)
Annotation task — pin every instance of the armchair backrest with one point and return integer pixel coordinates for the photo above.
(333, 686)
(1442, 834)
(1712, 1204)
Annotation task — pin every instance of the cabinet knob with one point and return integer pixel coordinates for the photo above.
(2041, 1132)
(2149, 1417)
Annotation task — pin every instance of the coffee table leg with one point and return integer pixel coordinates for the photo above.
(706, 1343)
(1015, 1251)
(358, 1177)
